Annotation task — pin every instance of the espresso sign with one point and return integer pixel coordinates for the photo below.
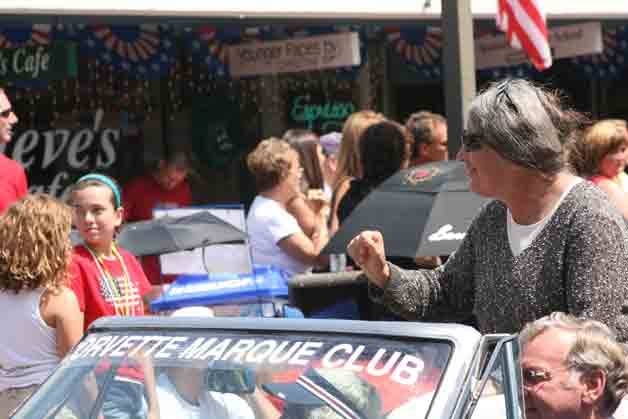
(294, 55)
(38, 63)
(318, 112)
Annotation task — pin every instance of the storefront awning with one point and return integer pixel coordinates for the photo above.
(397, 10)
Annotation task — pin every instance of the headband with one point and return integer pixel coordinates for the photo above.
(107, 182)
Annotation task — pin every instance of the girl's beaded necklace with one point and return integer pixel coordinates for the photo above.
(112, 283)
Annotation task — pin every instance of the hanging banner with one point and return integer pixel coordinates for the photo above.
(55, 62)
(419, 48)
(612, 62)
(565, 41)
(145, 52)
(294, 55)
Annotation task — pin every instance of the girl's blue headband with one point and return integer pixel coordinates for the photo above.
(107, 182)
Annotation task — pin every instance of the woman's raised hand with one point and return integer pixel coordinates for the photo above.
(367, 250)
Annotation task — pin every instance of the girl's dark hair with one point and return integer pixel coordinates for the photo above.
(97, 179)
(306, 144)
(383, 151)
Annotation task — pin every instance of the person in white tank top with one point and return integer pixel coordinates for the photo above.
(45, 317)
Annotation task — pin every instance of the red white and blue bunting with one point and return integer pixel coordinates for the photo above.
(420, 48)
(613, 60)
(142, 51)
(14, 36)
(148, 51)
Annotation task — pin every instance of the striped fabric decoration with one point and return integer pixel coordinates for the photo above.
(523, 21)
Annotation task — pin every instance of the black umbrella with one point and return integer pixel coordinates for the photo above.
(172, 234)
(421, 211)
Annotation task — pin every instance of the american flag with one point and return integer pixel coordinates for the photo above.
(524, 24)
(125, 298)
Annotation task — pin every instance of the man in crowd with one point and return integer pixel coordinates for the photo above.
(13, 184)
(164, 186)
(572, 368)
(430, 137)
(429, 131)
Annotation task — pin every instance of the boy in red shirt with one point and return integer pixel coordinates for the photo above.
(164, 187)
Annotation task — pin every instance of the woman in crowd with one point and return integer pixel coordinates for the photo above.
(42, 316)
(109, 281)
(165, 186)
(275, 235)
(600, 156)
(549, 241)
(310, 207)
(349, 166)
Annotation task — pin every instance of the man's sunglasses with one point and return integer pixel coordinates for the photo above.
(6, 113)
(471, 142)
(532, 377)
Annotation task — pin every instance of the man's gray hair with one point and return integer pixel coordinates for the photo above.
(524, 123)
(595, 348)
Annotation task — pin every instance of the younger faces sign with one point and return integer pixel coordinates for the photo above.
(293, 55)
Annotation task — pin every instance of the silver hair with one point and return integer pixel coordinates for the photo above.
(524, 123)
(595, 348)
(360, 392)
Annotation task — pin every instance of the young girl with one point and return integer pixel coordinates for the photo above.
(41, 317)
(107, 279)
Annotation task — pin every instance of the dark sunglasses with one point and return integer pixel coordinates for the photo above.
(471, 142)
(532, 377)
(6, 113)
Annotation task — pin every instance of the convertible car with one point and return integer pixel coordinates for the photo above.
(162, 367)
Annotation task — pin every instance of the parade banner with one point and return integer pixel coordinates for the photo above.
(294, 55)
(41, 62)
(565, 41)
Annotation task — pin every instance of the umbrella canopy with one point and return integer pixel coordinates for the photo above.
(421, 211)
(172, 234)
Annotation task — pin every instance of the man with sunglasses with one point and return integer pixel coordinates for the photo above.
(13, 184)
(573, 368)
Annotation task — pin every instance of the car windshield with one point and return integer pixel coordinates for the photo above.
(241, 374)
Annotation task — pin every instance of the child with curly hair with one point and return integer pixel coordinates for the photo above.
(45, 320)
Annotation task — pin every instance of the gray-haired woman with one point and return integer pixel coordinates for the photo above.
(549, 241)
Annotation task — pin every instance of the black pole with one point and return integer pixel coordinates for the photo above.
(459, 66)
